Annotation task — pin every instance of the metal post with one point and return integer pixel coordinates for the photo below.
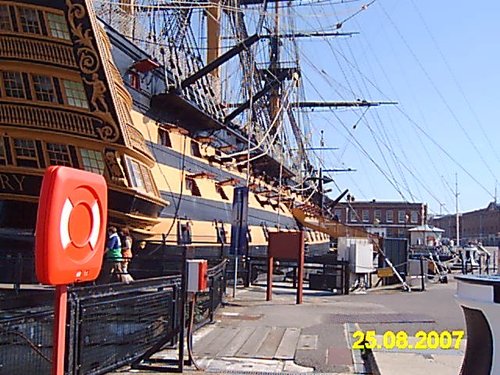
(457, 213)
(248, 266)
(212, 300)
(235, 273)
(300, 271)
(183, 310)
(59, 334)
(186, 254)
(294, 277)
(19, 273)
(422, 274)
(346, 277)
(269, 290)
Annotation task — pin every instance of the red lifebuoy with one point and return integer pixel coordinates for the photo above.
(71, 226)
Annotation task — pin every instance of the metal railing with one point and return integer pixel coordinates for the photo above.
(109, 325)
(321, 273)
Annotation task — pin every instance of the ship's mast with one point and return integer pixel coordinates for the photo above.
(274, 63)
(213, 34)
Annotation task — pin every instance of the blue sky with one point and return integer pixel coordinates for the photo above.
(439, 61)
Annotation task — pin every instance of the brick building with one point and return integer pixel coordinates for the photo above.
(480, 225)
(387, 219)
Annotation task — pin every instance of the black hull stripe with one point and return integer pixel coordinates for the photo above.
(199, 208)
(169, 157)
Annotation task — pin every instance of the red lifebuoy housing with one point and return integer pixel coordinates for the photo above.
(71, 226)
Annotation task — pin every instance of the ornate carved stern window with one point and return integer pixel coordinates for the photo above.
(141, 178)
(3, 159)
(44, 88)
(58, 26)
(13, 85)
(58, 154)
(5, 21)
(137, 178)
(30, 22)
(25, 153)
(75, 94)
(92, 161)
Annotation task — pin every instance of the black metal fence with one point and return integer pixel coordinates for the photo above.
(320, 272)
(108, 325)
(112, 326)
(26, 343)
(207, 303)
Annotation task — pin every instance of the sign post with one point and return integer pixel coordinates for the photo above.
(70, 239)
(285, 246)
(59, 334)
(239, 228)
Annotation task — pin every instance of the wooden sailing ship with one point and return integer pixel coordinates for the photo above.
(78, 90)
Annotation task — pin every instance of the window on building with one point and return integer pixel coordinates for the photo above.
(13, 85)
(378, 215)
(148, 180)
(30, 22)
(414, 217)
(401, 233)
(58, 27)
(75, 94)
(221, 192)
(192, 187)
(44, 88)
(401, 217)
(261, 201)
(184, 233)
(5, 20)
(195, 149)
(221, 233)
(164, 138)
(3, 158)
(353, 216)
(134, 79)
(389, 216)
(58, 154)
(249, 234)
(265, 230)
(92, 161)
(366, 216)
(136, 175)
(338, 214)
(141, 177)
(25, 153)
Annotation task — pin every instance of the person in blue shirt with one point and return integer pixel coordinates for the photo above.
(112, 267)
(113, 246)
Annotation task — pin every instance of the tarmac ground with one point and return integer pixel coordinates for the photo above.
(251, 335)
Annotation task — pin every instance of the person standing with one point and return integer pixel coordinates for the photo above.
(113, 255)
(126, 248)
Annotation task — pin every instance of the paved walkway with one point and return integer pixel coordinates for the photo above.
(252, 335)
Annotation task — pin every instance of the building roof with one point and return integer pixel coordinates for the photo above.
(383, 203)
(426, 228)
